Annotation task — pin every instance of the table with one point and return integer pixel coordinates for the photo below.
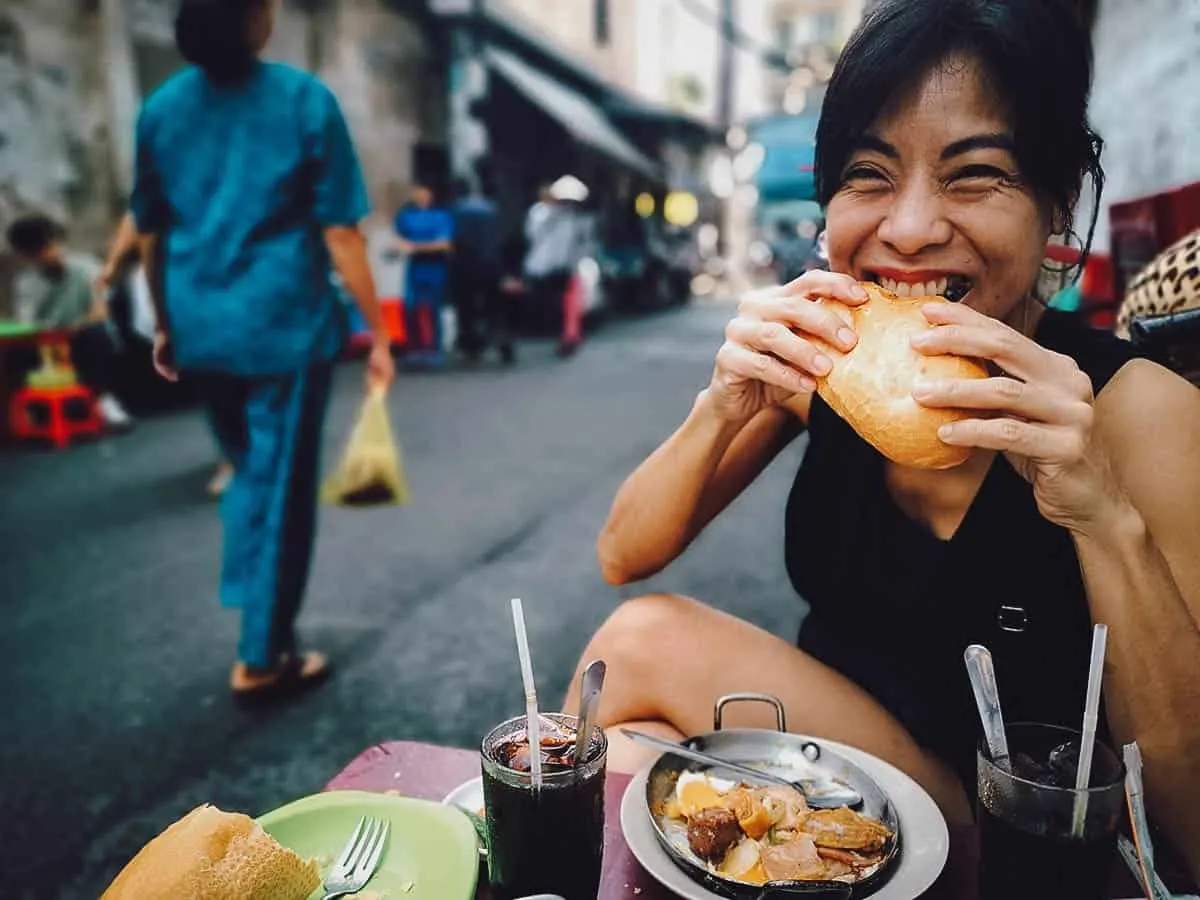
(429, 772)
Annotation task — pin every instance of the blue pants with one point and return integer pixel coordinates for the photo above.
(271, 429)
(425, 298)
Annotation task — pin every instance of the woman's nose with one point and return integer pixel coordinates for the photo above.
(914, 222)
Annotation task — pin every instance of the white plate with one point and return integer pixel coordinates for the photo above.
(926, 840)
(468, 796)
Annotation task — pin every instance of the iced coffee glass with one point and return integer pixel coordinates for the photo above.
(550, 840)
(1027, 845)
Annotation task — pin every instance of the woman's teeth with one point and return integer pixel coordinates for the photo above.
(934, 288)
(952, 287)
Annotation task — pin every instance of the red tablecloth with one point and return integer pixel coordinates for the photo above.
(429, 772)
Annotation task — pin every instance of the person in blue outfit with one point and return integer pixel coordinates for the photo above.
(247, 195)
(424, 234)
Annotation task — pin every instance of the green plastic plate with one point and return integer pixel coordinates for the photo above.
(431, 852)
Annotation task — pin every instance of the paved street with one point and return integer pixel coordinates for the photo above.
(116, 654)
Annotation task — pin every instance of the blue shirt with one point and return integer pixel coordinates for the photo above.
(423, 226)
(240, 181)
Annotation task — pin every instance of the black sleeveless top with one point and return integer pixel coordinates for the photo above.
(893, 606)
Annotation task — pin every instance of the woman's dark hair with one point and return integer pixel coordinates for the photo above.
(215, 35)
(1037, 55)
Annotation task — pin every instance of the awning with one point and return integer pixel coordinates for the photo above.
(789, 144)
(578, 115)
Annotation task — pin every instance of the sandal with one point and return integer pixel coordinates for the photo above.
(294, 675)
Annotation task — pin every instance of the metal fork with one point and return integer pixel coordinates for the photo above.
(359, 858)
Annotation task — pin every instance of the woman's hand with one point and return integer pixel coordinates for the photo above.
(768, 355)
(381, 366)
(164, 356)
(1038, 412)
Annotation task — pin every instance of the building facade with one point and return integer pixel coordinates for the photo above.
(1144, 101)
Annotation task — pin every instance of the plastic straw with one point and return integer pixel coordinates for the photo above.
(532, 724)
(1091, 715)
(1143, 848)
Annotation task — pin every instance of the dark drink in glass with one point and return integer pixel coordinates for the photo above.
(551, 840)
(1028, 848)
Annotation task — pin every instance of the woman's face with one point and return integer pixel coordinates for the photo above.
(932, 201)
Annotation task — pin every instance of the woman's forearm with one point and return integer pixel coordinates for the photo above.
(686, 483)
(348, 250)
(651, 515)
(125, 242)
(1152, 682)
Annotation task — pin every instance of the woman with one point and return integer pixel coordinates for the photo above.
(953, 141)
(247, 178)
(557, 236)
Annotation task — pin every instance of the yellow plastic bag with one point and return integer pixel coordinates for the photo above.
(371, 472)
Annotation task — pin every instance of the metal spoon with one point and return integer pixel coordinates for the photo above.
(987, 698)
(826, 794)
(589, 699)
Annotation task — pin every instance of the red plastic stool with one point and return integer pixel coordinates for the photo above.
(55, 413)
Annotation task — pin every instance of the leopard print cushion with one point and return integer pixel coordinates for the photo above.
(1170, 284)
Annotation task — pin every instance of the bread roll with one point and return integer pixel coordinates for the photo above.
(215, 855)
(871, 386)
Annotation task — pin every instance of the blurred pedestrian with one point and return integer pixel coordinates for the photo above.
(56, 289)
(484, 313)
(247, 179)
(556, 234)
(424, 234)
(121, 265)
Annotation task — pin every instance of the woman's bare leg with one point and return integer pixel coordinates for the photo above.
(669, 659)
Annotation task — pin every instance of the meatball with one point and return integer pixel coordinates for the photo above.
(712, 832)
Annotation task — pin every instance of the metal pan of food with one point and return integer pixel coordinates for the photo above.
(754, 842)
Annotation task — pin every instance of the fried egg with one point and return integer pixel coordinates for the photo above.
(696, 791)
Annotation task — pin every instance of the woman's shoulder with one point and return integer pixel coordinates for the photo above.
(286, 74)
(285, 77)
(1130, 389)
(1099, 353)
(178, 87)
(1142, 392)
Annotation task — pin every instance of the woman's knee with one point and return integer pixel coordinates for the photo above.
(636, 640)
(638, 627)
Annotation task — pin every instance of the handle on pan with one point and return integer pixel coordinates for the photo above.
(831, 890)
(750, 697)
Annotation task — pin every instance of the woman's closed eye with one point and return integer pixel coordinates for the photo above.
(981, 177)
(864, 177)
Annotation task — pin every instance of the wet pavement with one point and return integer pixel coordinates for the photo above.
(116, 654)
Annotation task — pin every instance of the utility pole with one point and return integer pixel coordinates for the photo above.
(725, 65)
